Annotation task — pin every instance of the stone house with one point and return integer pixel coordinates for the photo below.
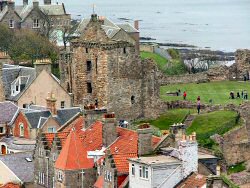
(25, 85)
(42, 18)
(107, 70)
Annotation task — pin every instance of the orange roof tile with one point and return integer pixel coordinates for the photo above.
(77, 124)
(10, 185)
(73, 155)
(99, 182)
(193, 181)
(50, 137)
(121, 161)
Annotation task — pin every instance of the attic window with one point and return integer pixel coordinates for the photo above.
(28, 159)
(11, 23)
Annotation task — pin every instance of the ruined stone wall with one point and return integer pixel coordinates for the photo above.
(242, 59)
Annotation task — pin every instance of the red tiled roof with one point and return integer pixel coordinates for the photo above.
(10, 185)
(193, 181)
(50, 137)
(73, 154)
(99, 182)
(121, 161)
(77, 124)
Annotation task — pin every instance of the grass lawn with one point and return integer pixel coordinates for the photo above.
(206, 125)
(217, 91)
(168, 118)
(161, 61)
(236, 168)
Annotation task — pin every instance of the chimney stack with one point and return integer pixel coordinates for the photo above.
(25, 2)
(36, 3)
(109, 133)
(145, 133)
(42, 64)
(47, 2)
(51, 103)
(136, 24)
(218, 170)
(11, 5)
(178, 130)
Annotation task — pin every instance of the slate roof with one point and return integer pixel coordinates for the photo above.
(12, 143)
(110, 28)
(34, 117)
(17, 163)
(8, 112)
(65, 114)
(4, 11)
(11, 73)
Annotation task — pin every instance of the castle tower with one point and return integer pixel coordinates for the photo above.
(108, 70)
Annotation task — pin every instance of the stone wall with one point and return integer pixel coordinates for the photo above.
(242, 59)
(2, 96)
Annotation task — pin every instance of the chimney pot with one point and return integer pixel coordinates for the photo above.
(136, 24)
(218, 170)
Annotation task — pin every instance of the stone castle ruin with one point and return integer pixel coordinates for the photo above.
(106, 70)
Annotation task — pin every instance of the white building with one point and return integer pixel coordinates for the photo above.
(165, 171)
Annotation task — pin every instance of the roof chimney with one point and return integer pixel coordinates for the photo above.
(109, 133)
(42, 64)
(51, 103)
(94, 17)
(47, 2)
(11, 5)
(136, 24)
(35, 3)
(145, 133)
(25, 2)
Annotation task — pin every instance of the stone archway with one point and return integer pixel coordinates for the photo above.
(3, 150)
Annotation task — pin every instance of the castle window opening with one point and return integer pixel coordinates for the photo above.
(96, 65)
(132, 99)
(89, 87)
(88, 66)
(124, 50)
(87, 50)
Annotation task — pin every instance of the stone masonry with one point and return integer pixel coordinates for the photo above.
(111, 72)
(2, 97)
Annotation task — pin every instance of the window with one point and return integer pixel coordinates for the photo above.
(89, 66)
(51, 129)
(1, 130)
(40, 152)
(96, 60)
(133, 169)
(21, 128)
(132, 99)
(124, 50)
(17, 87)
(60, 176)
(41, 178)
(143, 172)
(11, 23)
(62, 104)
(89, 87)
(25, 105)
(54, 157)
(36, 23)
(87, 50)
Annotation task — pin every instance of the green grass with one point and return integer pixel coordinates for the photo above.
(168, 118)
(206, 125)
(229, 182)
(217, 91)
(161, 61)
(236, 168)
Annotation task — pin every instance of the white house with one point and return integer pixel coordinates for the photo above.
(167, 170)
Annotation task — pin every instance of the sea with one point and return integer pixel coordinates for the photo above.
(214, 24)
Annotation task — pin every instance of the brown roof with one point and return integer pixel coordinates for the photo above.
(193, 181)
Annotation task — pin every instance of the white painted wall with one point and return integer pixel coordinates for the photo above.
(137, 182)
(6, 175)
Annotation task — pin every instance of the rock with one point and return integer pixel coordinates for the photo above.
(217, 138)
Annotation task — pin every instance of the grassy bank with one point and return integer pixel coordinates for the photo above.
(217, 91)
(161, 61)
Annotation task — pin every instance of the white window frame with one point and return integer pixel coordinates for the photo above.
(21, 129)
(60, 175)
(40, 151)
(3, 130)
(36, 23)
(51, 129)
(133, 169)
(143, 172)
(11, 23)
(62, 104)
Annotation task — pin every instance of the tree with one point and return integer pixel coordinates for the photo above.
(6, 37)
(29, 45)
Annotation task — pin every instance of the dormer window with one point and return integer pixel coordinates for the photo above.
(11, 23)
(36, 23)
(60, 176)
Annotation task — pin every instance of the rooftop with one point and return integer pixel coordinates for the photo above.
(8, 112)
(156, 160)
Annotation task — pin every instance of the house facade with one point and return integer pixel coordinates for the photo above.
(31, 15)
